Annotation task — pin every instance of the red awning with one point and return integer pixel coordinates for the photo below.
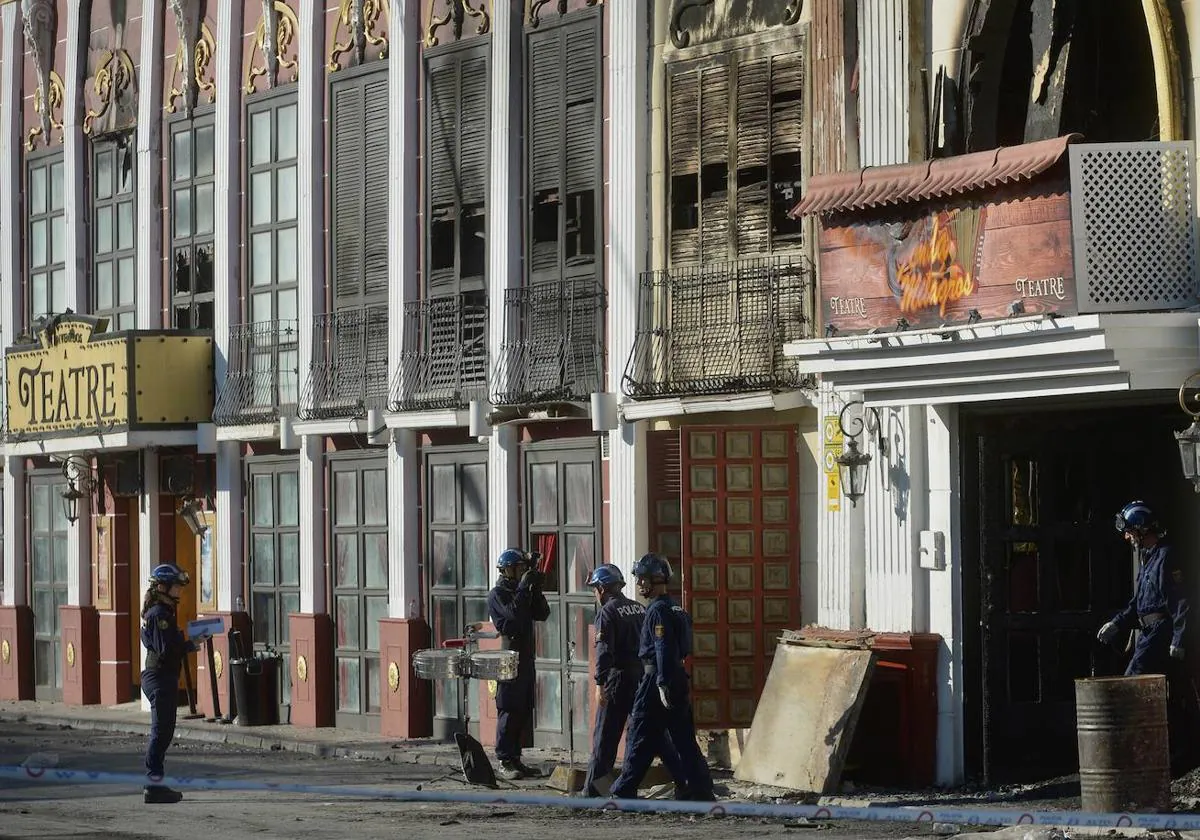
(877, 186)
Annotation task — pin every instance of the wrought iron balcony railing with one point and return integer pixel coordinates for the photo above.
(719, 328)
(348, 374)
(444, 364)
(553, 348)
(262, 376)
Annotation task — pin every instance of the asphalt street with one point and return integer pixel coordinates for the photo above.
(78, 810)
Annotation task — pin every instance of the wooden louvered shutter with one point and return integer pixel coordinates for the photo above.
(349, 206)
(375, 188)
(582, 141)
(753, 208)
(474, 146)
(714, 163)
(442, 160)
(684, 158)
(545, 131)
(787, 144)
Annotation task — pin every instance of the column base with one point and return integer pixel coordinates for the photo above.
(407, 701)
(81, 655)
(16, 653)
(239, 621)
(116, 668)
(312, 669)
(895, 742)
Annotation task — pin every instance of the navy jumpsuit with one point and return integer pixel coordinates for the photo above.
(618, 672)
(160, 681)
(514, 607)
(666, 640)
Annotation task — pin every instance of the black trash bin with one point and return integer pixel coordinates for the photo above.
(256, 689)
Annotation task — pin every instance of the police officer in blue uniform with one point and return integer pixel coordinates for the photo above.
(166, 648)
(618, 672)
(1159, 610)
(514, 604)
(662, 707)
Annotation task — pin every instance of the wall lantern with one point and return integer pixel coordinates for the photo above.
(1189, 438)
(81, 481)
(190, 512)
(853, 463)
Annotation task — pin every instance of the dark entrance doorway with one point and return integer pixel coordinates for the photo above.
(1044, 568)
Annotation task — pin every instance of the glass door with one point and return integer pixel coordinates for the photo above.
(48, 558)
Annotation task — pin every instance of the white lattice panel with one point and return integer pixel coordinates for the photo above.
(1133, 216)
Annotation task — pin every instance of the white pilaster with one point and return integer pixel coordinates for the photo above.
(404, 581)
(310, 163)
(14, 532)
(312, 549)
(227, 187)
(895, 505)
(890, 117)
(149, 172)
(230, 555)
(945, 588)
(841, 575)
(504, 256)
(12, 307)
(404, 470)
(148, 529)
(626, 257)
(74, 170)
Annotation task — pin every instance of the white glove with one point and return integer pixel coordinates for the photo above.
(1176, 652)
(662, 696)
(1108, 632)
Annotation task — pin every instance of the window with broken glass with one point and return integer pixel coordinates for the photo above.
(47, 243)
(734, 145)
(114, 239)
(564, 148)
(192, 170)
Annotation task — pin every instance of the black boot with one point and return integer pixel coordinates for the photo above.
(160, 795)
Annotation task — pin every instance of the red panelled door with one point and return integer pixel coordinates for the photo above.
(740, 561)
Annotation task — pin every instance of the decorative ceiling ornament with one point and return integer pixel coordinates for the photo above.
(358, 19)
(194, 71)
(533, 10)
(115, 76)
(456, 14)
(45, 107)
(41, 34)
(679, 36)
(277, 29)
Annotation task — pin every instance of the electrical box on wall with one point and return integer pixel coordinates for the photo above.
(933, 550)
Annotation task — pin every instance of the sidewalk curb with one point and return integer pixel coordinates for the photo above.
(230, 734)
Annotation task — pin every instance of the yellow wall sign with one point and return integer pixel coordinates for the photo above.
(831, 440)
(75, 382)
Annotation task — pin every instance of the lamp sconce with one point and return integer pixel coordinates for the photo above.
(378, 434)
(853, 463)
(190, 511)
(604, 411)
(288, 439)
(1189, 439)
(477, 419)
(81, 481)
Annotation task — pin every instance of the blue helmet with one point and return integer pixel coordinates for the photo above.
(652, 565)
(511, 557)
(1136, 516)
(605, 576)
(170, 574)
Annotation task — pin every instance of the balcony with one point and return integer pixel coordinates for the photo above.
(444, 364)
(263, 374)
(719, 328)
(348, 374)
(553, 350)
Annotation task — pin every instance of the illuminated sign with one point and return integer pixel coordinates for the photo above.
(78, 381)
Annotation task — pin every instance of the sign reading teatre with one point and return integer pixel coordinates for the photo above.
(69, 381)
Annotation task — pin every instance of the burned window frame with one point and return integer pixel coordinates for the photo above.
(581, 265)
(730, 191)
(55, 219)
(456, 280)
(121, 192)
(193, 242)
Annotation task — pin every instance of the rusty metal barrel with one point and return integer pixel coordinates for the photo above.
(1124, 756)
